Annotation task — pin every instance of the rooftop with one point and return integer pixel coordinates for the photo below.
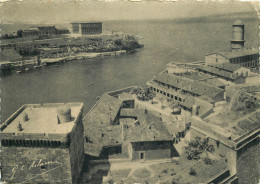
(238, 118)
(104, 111)
(215, 82)
(183, 83)
(238, 22)
(228, 67)
(216, 71)
(195, 75)
(148, 128)
(238, 53)
(41, 119)
(32, 29)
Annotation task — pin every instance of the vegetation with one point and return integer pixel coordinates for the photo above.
(207, 161)
(193, 172)
(28, 51)
(197, 147)
(20, 33)
(110, 181)
(244, 103)
(143, 93)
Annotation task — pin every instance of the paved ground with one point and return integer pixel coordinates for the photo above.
(133, 165)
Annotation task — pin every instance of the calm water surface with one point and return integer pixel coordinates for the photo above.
(83, 81)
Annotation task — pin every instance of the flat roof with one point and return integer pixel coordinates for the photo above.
(42, 119)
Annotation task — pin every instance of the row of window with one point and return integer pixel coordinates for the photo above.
(244, 59)
(251, 64)
(31, 143)
(168, 94)
(176, 89)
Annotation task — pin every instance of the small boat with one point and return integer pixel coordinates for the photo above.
(26, 69)
(18, 71)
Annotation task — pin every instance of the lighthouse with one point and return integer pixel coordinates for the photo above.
(238, 41)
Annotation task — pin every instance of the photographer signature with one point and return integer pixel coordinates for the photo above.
(34, 164)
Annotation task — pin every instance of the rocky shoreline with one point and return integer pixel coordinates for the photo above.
(28, 65)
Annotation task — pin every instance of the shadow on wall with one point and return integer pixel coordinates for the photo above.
(94, 172)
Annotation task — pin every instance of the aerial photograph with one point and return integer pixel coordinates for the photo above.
(129, 92)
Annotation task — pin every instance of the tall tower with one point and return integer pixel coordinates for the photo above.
(238, 41)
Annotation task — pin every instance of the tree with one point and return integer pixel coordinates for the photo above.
(161, 100)
(143, 93)
(197, 147)
(20, 33)
(173, 104)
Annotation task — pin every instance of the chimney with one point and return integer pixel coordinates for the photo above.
(19, 127)
(195, 110)
(25, 117)
(124, 129)
(64, 114)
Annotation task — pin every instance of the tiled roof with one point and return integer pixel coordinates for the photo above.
(197, 87)
(228, 67)
(97, 125)
(105, 110)
(150, 128)
(215, 82)
(189, 102)
(216, 71)
(195, 75)
(238, 53)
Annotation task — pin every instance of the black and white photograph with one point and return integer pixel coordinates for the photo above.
(129, 92)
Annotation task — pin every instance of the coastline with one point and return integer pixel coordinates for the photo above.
(32, 64)
(81, 55)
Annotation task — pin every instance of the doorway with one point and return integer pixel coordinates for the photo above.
(141, 155)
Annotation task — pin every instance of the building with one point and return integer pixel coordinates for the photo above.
(33, 31)
(43, 143)
(226, 71)
(233, 130)
(179, 88)
(238, 54)
(62, 31)
(242, 57)
(120, 130)
(75, 28)
(91, 28)
(46, 30)
(87, 28)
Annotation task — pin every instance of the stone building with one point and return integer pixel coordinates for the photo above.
(87, 28)
(123, 131)
(43, 143)
(233, 129)
(229, 72)
(237, 54)
(33, 31)
(179, 88)
(46, 30)
(242, 57)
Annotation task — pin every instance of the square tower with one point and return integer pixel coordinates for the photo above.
(43, 143)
